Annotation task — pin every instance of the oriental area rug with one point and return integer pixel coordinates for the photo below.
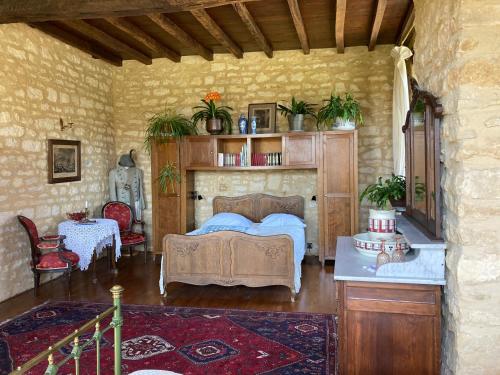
(188, 341)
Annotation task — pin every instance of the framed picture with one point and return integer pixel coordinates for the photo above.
(64, 160)
(266, 116)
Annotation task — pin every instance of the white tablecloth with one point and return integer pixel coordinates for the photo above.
(84, 239)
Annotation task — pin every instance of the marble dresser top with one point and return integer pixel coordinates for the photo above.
(350, 265)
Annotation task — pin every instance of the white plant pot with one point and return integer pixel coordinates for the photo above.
(341, 124)
(382, 224)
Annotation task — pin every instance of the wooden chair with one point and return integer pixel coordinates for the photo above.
(56, 257)
(124, 215)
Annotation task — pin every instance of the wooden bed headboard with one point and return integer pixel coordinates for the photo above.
(257, 206)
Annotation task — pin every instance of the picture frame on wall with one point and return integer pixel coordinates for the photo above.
(64, 161)
(266, 116)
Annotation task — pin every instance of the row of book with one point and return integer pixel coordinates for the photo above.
(269, 159)
(240, 159)
(233, 159)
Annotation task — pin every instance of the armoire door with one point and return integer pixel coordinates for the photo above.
(166, 205)
(339, 186)
(199, 151)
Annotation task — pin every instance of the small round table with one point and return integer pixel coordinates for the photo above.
(89, 239)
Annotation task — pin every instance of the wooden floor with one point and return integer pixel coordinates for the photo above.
(141, 287)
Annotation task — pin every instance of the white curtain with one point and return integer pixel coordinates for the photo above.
(400, 106)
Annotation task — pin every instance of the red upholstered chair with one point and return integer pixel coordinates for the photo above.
(48, 254)
(124, 215)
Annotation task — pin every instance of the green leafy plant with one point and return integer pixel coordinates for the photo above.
(297, 108)
(168, 177)
(209, 110)
(167, 124)
(383, 192)
(330, 111)
(351, 110)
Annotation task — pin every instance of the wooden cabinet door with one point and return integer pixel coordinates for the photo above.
(339, 188)
(166, 205)
(199, 151)
(389, 328)
(301, 150)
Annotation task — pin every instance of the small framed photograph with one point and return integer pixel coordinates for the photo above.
(64, 161)
(266, 116)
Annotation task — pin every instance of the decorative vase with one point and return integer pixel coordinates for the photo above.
(398, 256)
(382, 224)
(296, 123)
(342, 124)
(253, 125)
(214, 126)
(243, 124)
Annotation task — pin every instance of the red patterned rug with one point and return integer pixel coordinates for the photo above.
(179, 339)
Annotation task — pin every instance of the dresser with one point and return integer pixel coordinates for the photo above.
(387, 325)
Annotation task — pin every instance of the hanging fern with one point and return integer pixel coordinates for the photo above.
(168, 177)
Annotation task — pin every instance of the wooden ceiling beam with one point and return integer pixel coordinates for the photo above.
(107, 40)
(58, 10)
(167, 25)
(215, 30)
(83, 45)
(145, 39)
(253, 28)
(299, 25)
(377, 22)
(407, 26)
(339, 25)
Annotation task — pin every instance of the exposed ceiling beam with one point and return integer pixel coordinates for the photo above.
(107, 40)
(145, 39)
(214, 29)
(167, 25)
(75, 41)
(407, 26)
(254, 29)
(57, 10)
(377, 22)
(339, 25)
(299, 25)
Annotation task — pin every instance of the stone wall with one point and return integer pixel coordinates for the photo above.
(41, 80)
(139, 91)
(457, 57)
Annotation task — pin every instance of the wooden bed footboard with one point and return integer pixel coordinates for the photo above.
(229, 258)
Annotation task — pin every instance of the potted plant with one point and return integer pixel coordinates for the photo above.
(382, 219)
(330, 111)
(296, 113)
(345, 112)
(217, 119)
(161, 127)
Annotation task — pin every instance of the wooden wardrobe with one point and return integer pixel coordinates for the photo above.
(332, 153)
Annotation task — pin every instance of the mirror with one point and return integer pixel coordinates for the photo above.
(423, 166)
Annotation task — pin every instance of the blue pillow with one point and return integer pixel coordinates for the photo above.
(282, 220)
(228, 218)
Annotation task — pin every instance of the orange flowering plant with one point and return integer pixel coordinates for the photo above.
(209, 110)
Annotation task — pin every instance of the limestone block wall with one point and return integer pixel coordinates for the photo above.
(41, 80)
(139, 91)
(457, 57)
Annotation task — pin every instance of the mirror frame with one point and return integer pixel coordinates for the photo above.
(433, 113)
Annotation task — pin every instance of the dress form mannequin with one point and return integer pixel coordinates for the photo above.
(126, 184)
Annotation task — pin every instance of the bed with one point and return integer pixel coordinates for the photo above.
(253, 255)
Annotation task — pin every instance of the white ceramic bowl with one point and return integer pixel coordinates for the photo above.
(365, 245)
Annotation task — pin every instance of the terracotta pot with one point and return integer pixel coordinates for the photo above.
(214, 126)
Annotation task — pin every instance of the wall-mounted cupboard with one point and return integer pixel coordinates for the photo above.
(332, 153)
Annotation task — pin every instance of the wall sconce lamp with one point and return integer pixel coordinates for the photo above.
(314, 198)
(63, 126)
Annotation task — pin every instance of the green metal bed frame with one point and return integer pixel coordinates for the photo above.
(115, 324)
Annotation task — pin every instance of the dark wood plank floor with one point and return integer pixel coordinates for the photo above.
(141, 287)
